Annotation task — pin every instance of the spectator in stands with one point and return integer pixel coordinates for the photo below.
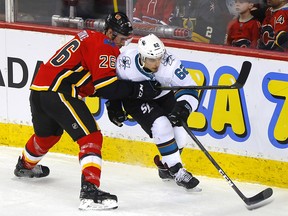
(212, 17)
(184, 14)
(231, 7)
(155, 12)
(258, 11)
(274, 29)
(245, 29)
(83, 8)
(91, 9)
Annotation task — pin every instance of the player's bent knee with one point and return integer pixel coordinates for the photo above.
(162, 129)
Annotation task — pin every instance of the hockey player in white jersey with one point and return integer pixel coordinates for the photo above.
(161, 117)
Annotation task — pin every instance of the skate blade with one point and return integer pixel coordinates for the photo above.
(195, 189)
(167, 180)
(88, 204)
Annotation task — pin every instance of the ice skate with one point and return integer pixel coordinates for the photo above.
(163, 172)
(38, 171)
(184, 178)
(92, 198)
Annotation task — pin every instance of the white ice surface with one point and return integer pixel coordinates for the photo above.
(139, 191)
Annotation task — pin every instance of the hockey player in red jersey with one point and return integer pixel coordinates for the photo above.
(85, 66)
(274, 29)
(244, 30)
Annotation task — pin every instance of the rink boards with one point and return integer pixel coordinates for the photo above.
(245, 130)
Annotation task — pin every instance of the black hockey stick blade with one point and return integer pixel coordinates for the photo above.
(241, 80)
(263, 195)
(243, 75)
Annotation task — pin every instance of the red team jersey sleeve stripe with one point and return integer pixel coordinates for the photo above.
(104, 83)
(39, 88)
(80, 83)
(60, 79)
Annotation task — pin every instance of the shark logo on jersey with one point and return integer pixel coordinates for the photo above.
(167, 59)
(125, 62)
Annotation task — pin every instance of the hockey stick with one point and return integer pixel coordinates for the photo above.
(243, 75)
(263, 195)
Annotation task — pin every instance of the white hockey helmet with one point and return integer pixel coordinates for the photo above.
(151, 47)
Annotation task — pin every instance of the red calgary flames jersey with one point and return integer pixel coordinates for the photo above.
(243, 34)
(88, 59)
(275, 22)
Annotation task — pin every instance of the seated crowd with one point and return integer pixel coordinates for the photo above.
(257, 24)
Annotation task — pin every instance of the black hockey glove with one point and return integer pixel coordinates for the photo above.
(115, 112)
(146, 90)
(180, 112)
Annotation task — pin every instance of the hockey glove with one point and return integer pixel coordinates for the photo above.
(115, 112)
(180, 113)
(146, 90)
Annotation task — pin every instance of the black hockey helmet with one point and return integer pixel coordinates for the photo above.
(119, 22)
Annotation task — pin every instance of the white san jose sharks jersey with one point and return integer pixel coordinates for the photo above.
(171, 72)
